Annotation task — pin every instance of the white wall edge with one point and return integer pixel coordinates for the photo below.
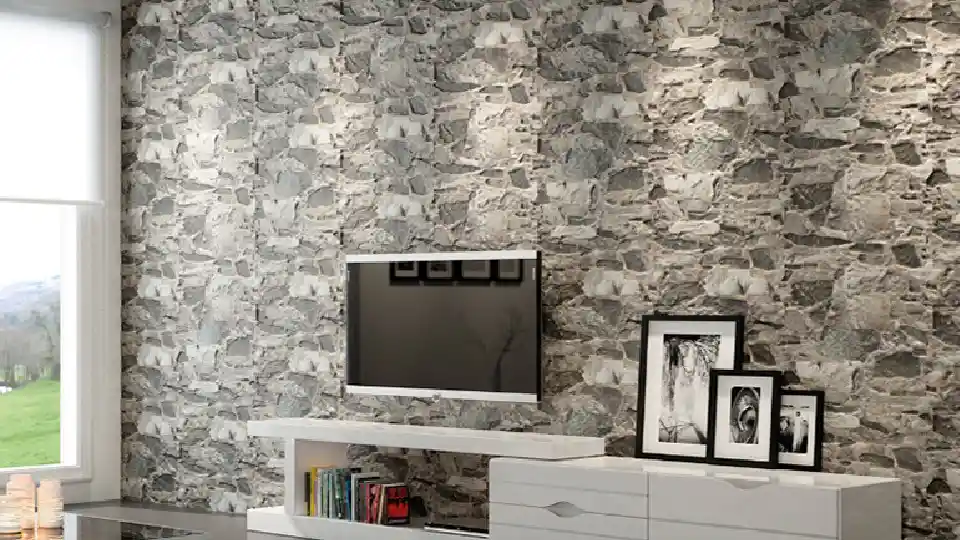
(525, 254)
(504, 397)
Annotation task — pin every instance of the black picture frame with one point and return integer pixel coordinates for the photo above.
(439, 271)
(770, 448)
(509, 270)
(475, 270)
(694, 452)
(819, 412)
(406, 271)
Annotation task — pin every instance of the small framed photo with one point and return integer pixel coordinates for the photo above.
(677, 353)
(404, 270)
(475, 270)
(743, 409)
(800, 436)
(440, 270)
(509, 270)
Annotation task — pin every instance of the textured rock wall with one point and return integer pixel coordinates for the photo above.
(794, 160)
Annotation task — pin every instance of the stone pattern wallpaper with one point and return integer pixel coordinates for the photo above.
(797, 161)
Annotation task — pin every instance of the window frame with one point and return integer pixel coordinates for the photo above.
(96, 435)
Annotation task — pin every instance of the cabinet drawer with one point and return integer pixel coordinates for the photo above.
(587, 500)
(745, 504)
(578, 523)
(665, 530)
(568, 474)
(511, 532)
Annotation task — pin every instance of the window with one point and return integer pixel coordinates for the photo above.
(59, 244)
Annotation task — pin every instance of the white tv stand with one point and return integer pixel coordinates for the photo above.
(540, 490)
(311, 442)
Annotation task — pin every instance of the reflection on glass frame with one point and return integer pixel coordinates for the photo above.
(480, 270)
(405, 270)
(677, 353)
(800, 433)
(744, 409)
(440, 270)
(509, 270)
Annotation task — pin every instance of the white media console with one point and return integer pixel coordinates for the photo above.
(561, 488)
(310, 442)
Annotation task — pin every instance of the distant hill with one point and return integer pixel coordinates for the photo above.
(27, 296)
(30, 331)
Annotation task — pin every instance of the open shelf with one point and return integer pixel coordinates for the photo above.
(273, 520)
(312, 442)
(440, 439)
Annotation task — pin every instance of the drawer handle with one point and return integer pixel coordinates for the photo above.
(745, 484)
(564, 509)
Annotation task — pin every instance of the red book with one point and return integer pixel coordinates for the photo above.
(397, 500)
(372, 502)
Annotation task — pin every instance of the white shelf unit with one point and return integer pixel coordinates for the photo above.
(313, 442)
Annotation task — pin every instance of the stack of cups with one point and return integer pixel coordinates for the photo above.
(22, 489)
(49, 505)
(9, 515)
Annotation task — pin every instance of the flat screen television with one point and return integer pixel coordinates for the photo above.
(463, 325)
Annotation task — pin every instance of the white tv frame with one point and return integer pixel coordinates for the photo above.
(430, 393)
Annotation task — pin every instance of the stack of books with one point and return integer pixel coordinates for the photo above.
(348, 493)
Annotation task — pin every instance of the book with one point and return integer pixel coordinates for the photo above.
(382, 504)
(367, 498)
(324, 494)
(373, 487)
(357, 481)
(308, 493)
(338, 494)
(396, 502)
(348, 492)
(312, 482)
(318, 493)
(330, 495)
(375, 505)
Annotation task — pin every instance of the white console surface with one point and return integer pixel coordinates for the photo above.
(441, 439)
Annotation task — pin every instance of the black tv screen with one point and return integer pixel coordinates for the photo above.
(455, 325)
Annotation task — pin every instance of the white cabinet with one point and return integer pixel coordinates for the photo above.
(637, 499)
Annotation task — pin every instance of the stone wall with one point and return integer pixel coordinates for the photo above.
(797, 161)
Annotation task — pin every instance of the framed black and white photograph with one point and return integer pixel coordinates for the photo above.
(404, 270)
(509, 270)
(677, 353)
(475, 270)
(800, 435)
(744, 407)
(440, 270)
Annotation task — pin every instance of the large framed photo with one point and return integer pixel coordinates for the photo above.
(676, 355)
(800, 437)
(744, 407)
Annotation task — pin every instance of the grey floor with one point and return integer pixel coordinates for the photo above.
(216, 526)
